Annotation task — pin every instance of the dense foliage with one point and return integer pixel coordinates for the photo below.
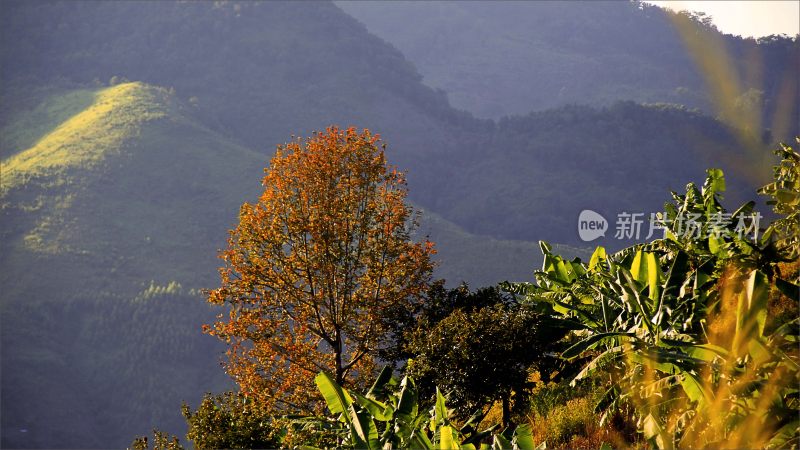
(480, 348)
(785, 200)
(389, 416)
(229, 420)
(677, 325)
(675, 332)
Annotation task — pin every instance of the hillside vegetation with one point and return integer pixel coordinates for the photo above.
(531, 176)
(97, 244)
(33, 123)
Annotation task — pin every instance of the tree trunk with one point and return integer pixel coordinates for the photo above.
(506, 410)
(337, 352)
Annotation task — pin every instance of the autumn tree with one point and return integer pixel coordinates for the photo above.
(314, 266)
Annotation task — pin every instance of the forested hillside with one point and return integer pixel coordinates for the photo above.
(108, 233)
(558, 53)
(577, 157)
(132, 132)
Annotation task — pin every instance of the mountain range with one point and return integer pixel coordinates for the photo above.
(496, 59)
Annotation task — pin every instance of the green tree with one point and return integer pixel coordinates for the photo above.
(439, 302)
(480, 348)
(230, 420)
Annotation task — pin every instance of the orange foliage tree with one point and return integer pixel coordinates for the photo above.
(316, 267)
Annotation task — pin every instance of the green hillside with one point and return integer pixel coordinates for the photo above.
(115, 115)
(22, 127)
(111, 222)
(127, 195)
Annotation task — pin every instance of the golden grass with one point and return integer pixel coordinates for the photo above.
(574, 425)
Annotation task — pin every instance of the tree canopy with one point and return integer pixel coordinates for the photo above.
(314, 266)
(482, 350)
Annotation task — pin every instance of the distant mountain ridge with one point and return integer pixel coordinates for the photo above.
(502, 58)
(247, 66)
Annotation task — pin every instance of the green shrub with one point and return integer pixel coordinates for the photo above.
(229, 420)
(161, 441)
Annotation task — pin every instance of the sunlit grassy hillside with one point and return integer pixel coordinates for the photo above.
(112, 116)
(22, 127)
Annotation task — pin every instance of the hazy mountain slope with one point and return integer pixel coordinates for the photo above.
(484, 260)
(530, 178)
(500, 58)
(110, 223)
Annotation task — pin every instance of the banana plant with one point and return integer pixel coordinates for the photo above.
(389, 418)
(784, 193)
(678, 325)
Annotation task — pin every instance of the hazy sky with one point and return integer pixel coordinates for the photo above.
(746, 18)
